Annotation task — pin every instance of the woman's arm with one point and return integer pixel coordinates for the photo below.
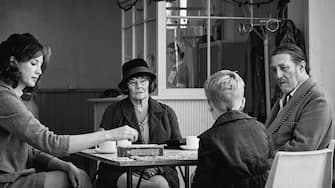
(18, 120)
(84, 141)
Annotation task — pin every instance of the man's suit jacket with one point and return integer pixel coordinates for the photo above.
(305, 122)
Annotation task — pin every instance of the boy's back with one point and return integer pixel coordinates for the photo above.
(234, 152)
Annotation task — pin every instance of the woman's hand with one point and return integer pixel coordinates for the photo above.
(121, 133)
(78, 177)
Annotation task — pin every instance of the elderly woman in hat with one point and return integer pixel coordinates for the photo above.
(27, 147)
(155, 122)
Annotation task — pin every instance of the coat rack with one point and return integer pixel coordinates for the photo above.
(267, 25)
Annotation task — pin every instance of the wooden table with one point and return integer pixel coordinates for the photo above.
(170, 157)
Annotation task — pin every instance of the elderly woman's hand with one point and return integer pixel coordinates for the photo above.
(121, 133)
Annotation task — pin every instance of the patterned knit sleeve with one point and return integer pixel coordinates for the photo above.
(19, 121)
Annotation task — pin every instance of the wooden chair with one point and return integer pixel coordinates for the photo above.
(308, 169)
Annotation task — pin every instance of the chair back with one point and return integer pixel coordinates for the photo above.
(308, 169)
(331, 146)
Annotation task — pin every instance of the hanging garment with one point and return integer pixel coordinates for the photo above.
(282, 8)
(257, 82)
(289, 33)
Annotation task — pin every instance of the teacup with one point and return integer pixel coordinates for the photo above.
(123, 142)
(192, 141)
(109, 146)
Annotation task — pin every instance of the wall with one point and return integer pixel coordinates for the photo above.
(314, 19)
(321, 44)
(297, 11)
(85, 38)
(66, 112)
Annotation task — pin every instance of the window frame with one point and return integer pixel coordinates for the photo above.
(163, 91)
(161, 18)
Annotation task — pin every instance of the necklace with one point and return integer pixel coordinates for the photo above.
(141, 123)
(141, 116)
(141, 112)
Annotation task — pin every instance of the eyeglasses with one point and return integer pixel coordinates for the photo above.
(133, 82)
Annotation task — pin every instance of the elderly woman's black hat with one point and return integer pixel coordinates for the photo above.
(132, 68)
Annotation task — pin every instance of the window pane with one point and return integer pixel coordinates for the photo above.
(151, 11)
(242, 52)
(186, 53)
(128, 18)
(187, 8)
(228, 9)
(139, 12)
(265, 10)
(233, 30)
(151, 55)
(240, 9)
(151, 45)
(128, 44)
(228, 46)
(139, 40)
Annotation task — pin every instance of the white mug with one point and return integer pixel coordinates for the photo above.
(192, 141)
(109, 146)
(123, 142)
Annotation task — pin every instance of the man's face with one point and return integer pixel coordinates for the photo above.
(171, 54)
(287, 73)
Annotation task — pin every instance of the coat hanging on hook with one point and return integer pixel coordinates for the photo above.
(289, 33)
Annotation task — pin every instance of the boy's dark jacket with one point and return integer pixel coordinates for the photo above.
(233, 153)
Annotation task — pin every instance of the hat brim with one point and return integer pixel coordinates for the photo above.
(135, 72)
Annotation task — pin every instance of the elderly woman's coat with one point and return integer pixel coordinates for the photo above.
(163, 126)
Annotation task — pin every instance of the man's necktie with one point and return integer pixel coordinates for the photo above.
(284, 100)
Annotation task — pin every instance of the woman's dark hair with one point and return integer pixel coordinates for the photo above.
(152, 83)
(28, 91)
(22, 48)
(295, 52)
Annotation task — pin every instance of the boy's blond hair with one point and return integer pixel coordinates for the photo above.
(224, 89)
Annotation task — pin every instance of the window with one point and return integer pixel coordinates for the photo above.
(185, 41)
(138, 29)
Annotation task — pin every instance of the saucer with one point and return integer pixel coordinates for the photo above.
(98, 150)
(186, 147)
